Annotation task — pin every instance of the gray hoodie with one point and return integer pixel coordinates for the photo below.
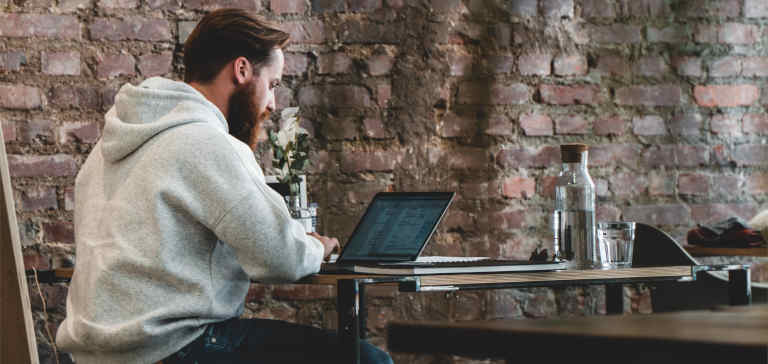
(173, 219)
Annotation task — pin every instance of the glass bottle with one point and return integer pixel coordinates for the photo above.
(574, 216)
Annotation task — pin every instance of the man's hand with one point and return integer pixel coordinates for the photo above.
(330, 244)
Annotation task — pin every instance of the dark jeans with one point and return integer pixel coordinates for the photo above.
(259, 341)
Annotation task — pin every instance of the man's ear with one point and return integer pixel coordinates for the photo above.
(242, 70)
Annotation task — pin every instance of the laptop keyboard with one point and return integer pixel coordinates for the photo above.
(445, 259)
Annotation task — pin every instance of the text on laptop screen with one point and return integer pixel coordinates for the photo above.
(395, 228)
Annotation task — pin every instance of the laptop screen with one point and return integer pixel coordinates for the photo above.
(396, 226)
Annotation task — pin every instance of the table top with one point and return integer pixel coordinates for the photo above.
(701, 251)
(703, 335)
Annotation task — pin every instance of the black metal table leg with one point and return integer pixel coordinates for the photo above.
(614, 299)
(739, 287)
(348, 308)
(363, 311)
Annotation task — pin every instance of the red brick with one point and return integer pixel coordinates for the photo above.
(131, 28)
(546, 186)
(627, 185)
(364, 5)
(669, 34)
(499, 125)
(483, 190)
(113, 65)
(60, 63)
(40, 198)
(337, 62)
(571, 124)
(374, 128)
(380, 64)
(37, 25)
(755, 67)
(9, 131)
(721, 155)
(627, 155)
(536, 124)
(725, 67)
(750, 154)
(478, 93)
(121, 4)
(597, 9)
(288, 6)
(691, 155)
(546, 156)
(617, 33)
(755, 9)
(647, 8)
(672, 214)
(518, 187)
(715, 212)
(309, 32)
(686, 124)
(302, 292)
(613, 65)
(359, 31)
(659, 155)
(66, 96)
(709, 8)
(523, 8)
(571, 65)
(651, 67)
(336, 95)
(254, 5)
(706, 33)
(59, 232)
(688, 66)
(757, 184)
(649, 125)
(535, 64)
(36, 131)
(610, 126)
(69, 6)
(661, 184)
(663, 95)
(735, 33)
(19, 97)
(755, 123)
(341, 128)
(79, 133)
(155, 64)
(42, 166)
(69, 198)
(376, 161)
(693, 184)
(725, 124)
(569, 95)
(498, 63)
(453, 125)
(502, 220)
(12, 61)
(36, 261)
(467, 158)
(726, 95)
(395, 4)
(726, 186)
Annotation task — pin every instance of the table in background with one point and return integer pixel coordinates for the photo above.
(701, 251)
(351, 288)
(725, 336)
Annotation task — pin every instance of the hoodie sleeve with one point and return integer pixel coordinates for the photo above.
(246, 214)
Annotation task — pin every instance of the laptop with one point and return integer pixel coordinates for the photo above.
(394, 231)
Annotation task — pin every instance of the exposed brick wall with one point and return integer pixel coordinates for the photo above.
(465, 95)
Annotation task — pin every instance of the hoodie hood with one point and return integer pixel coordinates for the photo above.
(143, 111)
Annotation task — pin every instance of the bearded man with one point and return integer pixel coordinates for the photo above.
(173, 218)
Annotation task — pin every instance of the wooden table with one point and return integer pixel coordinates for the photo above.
(351, 288)
(701, 251)
(727, 336)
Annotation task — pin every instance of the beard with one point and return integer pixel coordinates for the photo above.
(244, 118)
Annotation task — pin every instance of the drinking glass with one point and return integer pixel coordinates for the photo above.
(615, 243)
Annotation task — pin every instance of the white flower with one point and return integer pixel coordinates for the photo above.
(289, 126)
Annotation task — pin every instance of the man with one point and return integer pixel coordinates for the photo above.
(173, 217)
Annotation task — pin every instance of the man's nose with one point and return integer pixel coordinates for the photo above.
(271, 104)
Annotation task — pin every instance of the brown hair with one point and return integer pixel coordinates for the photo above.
(224, 35)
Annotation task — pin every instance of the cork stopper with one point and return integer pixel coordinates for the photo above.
(571, 153)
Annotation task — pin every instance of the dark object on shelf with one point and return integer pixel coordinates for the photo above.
(732, 232)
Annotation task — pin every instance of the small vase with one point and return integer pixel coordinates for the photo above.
(306, 216)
